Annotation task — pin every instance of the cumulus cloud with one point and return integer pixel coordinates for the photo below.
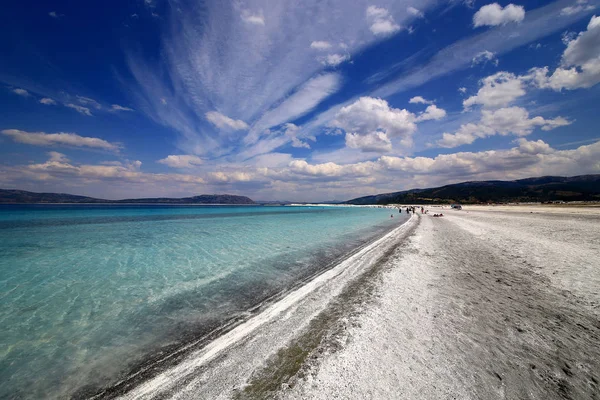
(224, 122)
(181, 161)
(370, 116)
(415, 12)
(59, 139)
(307, 181)
(498, 90)
(333, 60)
(21, 92)
(485, 57)
(55, 156)
(419, 100)
(371, 142)
(580, 63)
(320, 45)
(116, 107)
(48, 101)
(432, 112)
(381, 22)
(504, 121)
(55, 15)
(494, 14)
(79, 109)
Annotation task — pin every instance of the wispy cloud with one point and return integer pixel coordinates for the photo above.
(116, 107)
(224, 122)
(59, 139)
(21, 92)
(48, 101)
(255, 63)
(55, 15)
(80, 109)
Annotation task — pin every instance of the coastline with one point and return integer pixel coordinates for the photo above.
(232, 357)
(484, 303)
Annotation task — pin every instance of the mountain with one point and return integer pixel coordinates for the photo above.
(542, 189)
(22, 197)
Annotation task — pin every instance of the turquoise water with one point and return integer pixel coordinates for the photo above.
(89, 292)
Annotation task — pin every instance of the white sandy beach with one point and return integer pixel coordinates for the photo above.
(483, 303)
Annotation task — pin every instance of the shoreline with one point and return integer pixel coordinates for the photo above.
(169, 357)
(266, 327)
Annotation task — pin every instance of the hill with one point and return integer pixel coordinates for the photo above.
(542, 189)
(24, 197)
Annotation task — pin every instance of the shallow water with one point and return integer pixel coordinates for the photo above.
(89, 291)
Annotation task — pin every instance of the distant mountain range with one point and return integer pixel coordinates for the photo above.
(542, 189)
(23, 197)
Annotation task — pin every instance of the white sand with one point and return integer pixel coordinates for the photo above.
(482, 304)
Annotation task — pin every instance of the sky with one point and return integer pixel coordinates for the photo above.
(294, 100)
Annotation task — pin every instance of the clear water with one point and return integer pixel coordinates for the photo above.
(86, 292)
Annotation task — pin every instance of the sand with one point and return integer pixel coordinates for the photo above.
(484, 303)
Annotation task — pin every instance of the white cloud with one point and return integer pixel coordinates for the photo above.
(224, 122)
(307, 97)
(415, 12)
(494, 14)
(80, 109)
(484, 57)
(253, 19)
(181, 161)
(505, 121)
(64, 139)
(88, 101)
(55, 156)
(419, 100)
(300, 180)
(293, 132)
(21, 92)
(498, 90)
(333, 60)
(116, 107)
(540, 22)
(381, 22)
(371, 142)
(370, 116)
(580, 63)
(462, 90)
(432, 112)
(577, 7)
(56, 15)
(48, 101)
(320, 45)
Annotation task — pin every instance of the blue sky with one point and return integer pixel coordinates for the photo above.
(288, 100)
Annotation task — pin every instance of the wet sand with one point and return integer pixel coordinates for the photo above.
(484, 303)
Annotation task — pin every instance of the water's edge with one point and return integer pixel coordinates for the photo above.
(169, 356)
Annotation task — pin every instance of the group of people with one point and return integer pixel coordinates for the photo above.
(413, 209)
